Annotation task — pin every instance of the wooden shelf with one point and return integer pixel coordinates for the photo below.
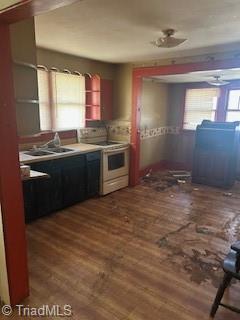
(25, 64)
(27, 101)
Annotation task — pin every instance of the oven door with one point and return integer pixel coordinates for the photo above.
(115, 163)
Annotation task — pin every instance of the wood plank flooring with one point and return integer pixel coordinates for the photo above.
(138, 254)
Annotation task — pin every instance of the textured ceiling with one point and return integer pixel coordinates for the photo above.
(121, 30)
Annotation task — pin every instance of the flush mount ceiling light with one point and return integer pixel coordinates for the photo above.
(168, 40)
(217, 81)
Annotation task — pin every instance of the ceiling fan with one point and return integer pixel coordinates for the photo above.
(168, 40)
(217, 81)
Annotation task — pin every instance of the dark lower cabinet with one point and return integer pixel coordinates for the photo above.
(29, 201)
(72, 179)
(48, 191)
(93, 174)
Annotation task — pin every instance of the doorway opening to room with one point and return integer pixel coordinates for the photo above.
(166, 127)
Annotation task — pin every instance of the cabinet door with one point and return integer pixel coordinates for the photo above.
(29, 200)
(42, 197)
(49, 194)
(106, 99)
(93, 173)
(73, 180)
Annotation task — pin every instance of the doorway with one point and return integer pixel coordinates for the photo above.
(139, 74)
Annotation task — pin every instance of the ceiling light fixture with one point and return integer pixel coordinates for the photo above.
(217, 82)
(168, 40)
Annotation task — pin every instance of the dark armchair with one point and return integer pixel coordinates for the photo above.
(231, 267)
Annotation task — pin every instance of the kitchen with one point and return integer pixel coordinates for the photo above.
(70, 193)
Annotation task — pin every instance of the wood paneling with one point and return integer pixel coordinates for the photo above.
(136, 254)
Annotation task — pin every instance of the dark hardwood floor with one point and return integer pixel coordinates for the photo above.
(143, 253)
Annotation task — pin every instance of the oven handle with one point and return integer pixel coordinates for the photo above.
(117, 149)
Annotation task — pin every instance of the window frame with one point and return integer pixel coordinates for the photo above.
(196, 86)
(227, 101)
(222, 104)
(52, 102)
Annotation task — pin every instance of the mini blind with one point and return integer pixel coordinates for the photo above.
(200, 104)
(44, 100)
(68, 100)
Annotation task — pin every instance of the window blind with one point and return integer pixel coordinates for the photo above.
(200, 104)
(68, 100)
(44, 100)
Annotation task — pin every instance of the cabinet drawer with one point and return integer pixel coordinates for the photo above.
(115, 184)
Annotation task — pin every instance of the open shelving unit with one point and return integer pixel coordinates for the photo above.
(93, 97)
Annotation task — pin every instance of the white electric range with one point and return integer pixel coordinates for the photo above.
(114, 165)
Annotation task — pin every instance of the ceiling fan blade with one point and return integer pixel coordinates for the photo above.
(218, 83)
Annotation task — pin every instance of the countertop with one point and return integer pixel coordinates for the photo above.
(36, 175)
(78, 148)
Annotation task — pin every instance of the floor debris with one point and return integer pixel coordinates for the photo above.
(160, 181)
(227, 194)
(181, 181)
(180, 174)
(126, 219)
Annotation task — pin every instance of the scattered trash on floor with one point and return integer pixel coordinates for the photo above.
(227, 194)
(195, 189)
(202, 230)
(149, 173)
(181, 181)
(126, 219)
(163, 242)
(161, 181)
(180, 174)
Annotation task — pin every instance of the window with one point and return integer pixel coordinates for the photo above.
(233, 105)
(44, 100)
(200, 104)
(68, 100)
(61, 100)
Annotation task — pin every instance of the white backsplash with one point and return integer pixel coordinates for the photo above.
(121, 131)
(160, 131)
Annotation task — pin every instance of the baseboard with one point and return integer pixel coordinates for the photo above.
(164, 165)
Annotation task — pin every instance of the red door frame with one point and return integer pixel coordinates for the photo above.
(11, 197)
(137, 77)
